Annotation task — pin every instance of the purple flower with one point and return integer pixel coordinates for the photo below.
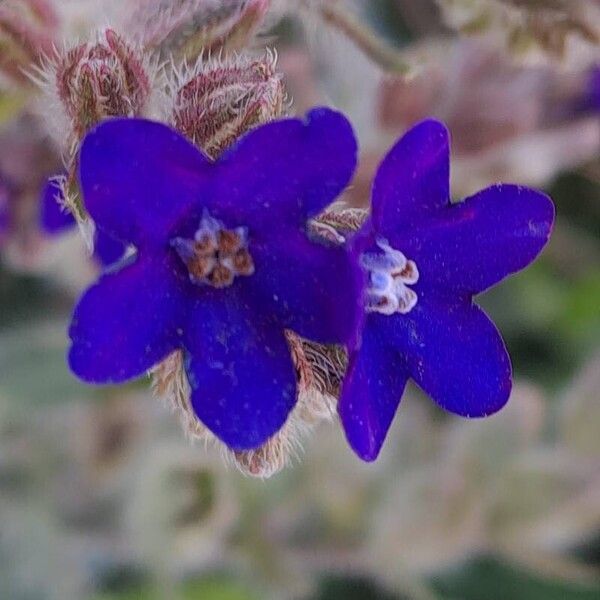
(56, 220)
(5, 216)
(592, 95)
(425, 258)
(224, 263)
(587, 101)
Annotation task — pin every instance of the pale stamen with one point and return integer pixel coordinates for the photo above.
(390, 274)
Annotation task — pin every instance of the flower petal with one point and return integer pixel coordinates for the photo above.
(107, 249)
(240, 370)
(140, 179)
(128, 321)
(470, 246)
(455, 354)
(313, 289)
(287, 170)
(371, 392)
(54, 218)
(414, 178)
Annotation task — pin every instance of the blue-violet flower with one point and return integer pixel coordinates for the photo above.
(424, 259)
(5, 216)
(224, 264)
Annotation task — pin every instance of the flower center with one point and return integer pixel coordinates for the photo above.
(390, 274)
(216, 255)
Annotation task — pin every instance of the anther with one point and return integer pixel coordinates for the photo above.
(201, 266)
(206, 244)
(243, 263)
(221, 276)
(216, 255)
(390, 273)
(229, 241)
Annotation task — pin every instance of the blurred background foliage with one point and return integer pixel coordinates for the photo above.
(101, 496)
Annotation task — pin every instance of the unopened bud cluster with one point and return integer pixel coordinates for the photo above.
(105, 79)
(86, 83)
(224, 99)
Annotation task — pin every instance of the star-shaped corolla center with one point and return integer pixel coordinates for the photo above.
(389, 275)
(216, 255)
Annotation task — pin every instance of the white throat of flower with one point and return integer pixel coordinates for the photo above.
(390, 273)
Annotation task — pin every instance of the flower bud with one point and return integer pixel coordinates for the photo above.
(187, 28)
(221, 100)
(27, 30)
(88, 83)
(105, 79)
(337, 223)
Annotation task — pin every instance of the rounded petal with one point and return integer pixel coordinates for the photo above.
(371, 392)
(287, 170)
(54, 218)
(311, 288)
(240, 371)
(414, 178)
(455, 354)
(140, 179)
(472, 245)
(127, 322)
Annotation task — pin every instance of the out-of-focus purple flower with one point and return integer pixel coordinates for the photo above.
(590, 101)
(55, 220)
(224, 263)
(425, 258)
(5, 218)
(54, 217)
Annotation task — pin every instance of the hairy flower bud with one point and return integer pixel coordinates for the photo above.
(186, 28)
(27, 29)
(105, 79)
(221, 100)
(89, 82)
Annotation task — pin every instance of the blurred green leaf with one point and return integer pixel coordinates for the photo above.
(581, 315)
(205, 589)
(352, 588)
(33, 365)
(140, 594)
(217, 588)
(25, 297)
(492, 579)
